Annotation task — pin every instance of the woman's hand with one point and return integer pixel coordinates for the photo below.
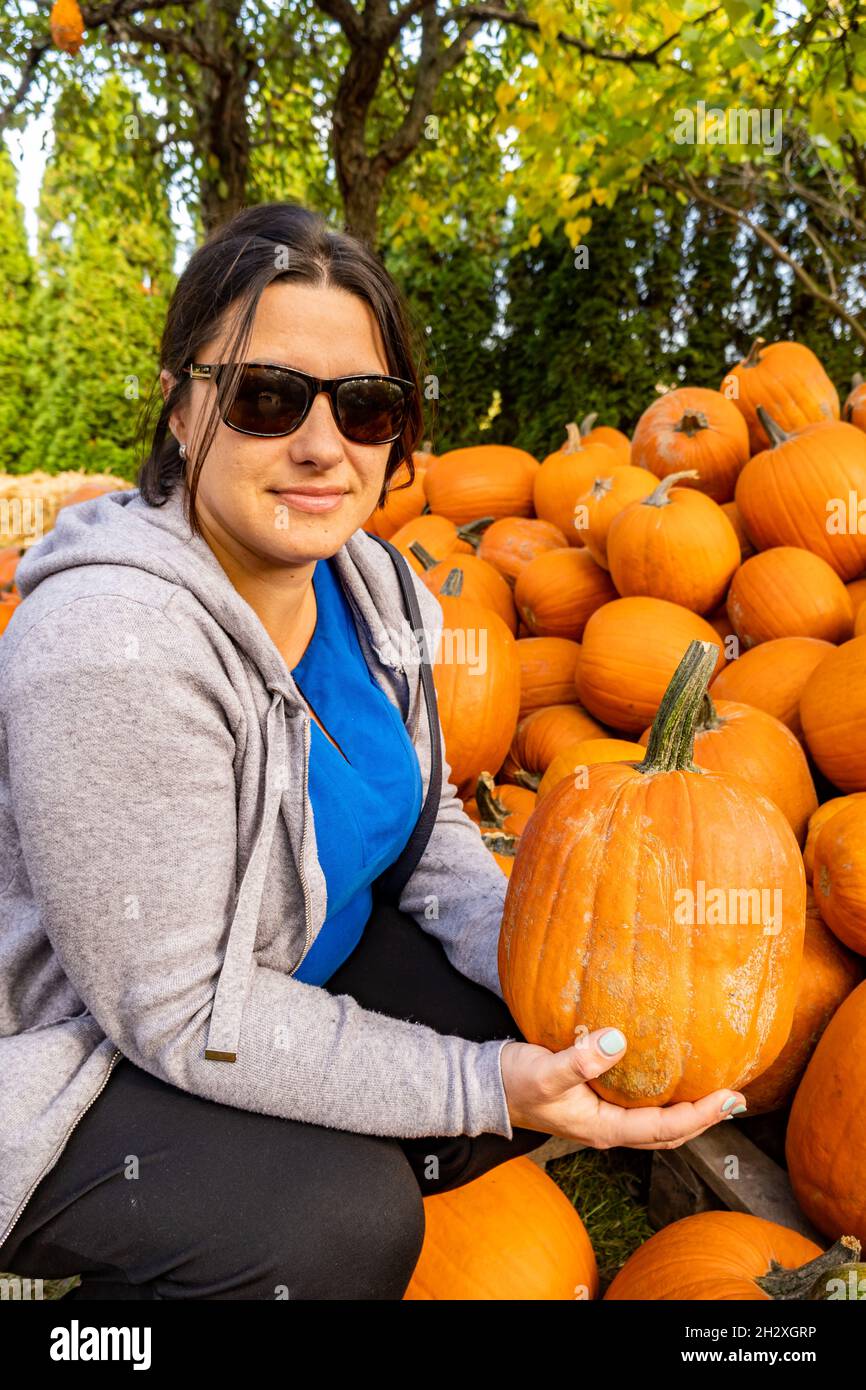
(548, 1091)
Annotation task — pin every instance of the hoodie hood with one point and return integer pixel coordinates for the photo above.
(120, 528)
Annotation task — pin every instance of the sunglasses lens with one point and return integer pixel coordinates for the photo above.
(370, 412)
(268, 401)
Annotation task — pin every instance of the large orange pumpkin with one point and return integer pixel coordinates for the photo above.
(808, 490)
(732, 512)
(830, 972)
(511, 542)
(481, 582)
(603, 500)
(477, 679)
(540, 736)
(857, 589)
(675, 544)
(833, 712)
(772, 677)
(693, 428)
(742, 741)
(663, 900)
(717, 1256)
(559, 590)
(405, 500)
(789, 592)
(437, 534)
(825, 1143)
(511, 1234)
(483, 480)
(564, 477)
(787, 380)
(839, 874)
(818, 820)
(630, 649)
(547, 666)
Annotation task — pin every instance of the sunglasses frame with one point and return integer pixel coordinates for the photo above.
(206, 371)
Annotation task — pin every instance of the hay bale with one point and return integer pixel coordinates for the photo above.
(29, 502)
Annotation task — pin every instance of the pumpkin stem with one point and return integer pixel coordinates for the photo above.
(522, 778)
(474, 530)
(453, 585)
(775, 432)
(692, 422)
(426, 446)
(781, 1283)
(425, 510)
(753, 356)
(500, 843)
(709, 717)
(423, 555)
(672, 737)
(600, 487)
(856, 380)
(659, 498)
(492, 811)
(587, 423)
(572, 442)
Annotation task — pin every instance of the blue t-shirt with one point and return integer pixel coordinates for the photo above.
(364, 809)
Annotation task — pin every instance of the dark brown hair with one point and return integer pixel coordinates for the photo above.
(258, 247)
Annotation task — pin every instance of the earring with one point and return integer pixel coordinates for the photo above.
(183, 451)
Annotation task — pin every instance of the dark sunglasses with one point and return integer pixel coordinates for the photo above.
(273, 400)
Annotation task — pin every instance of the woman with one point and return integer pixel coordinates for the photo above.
(231, 1066)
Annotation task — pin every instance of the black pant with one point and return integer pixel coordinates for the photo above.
(230, 1204)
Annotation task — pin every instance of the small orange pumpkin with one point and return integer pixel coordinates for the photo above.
(559, 590)
(564, 477)
(436, 534)
(482, 480)
(540, 736)
(511, 542)
(591, 433)
(789, 592)
(818, 820)
(693, 428)
(584, 754)
(603, 500)
(788, 381)
(481, 582)
(833, 712)
(500, 806)
(773, 676)
(839, 874)
(547, 666)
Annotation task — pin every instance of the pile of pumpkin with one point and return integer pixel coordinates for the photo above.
(718, 560)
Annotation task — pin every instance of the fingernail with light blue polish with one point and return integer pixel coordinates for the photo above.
(611, 1042)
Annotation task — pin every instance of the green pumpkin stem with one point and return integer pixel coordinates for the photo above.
(659, 498)
(422, 555)
(709, 717)
(499, 843)
(522, 778)
(453, 585)
(492, 811)
(775, 432)
(672, 737)
(587, 423)
(787, 1284)
(474, 530)
(425, 510)
(753, 357)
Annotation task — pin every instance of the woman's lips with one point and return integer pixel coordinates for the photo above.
(309, 502)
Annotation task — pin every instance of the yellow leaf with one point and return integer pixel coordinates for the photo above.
(534, 236)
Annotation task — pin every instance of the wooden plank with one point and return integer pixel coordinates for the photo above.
(555, 1148)
(675, 1190)
(745, 1179)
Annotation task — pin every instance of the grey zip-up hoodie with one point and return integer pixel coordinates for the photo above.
(159, 881)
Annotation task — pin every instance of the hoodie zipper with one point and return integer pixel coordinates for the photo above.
(301, 865)
(117, 1053)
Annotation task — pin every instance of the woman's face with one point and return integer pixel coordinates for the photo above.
(326, 332)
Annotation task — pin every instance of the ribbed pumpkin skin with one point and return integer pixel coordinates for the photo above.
(830, 972)
(436, 534)
(825, 1144)
(481, 583)
(603, 500)
(732, 512)
(833, 713)
(564, 477)
(478, 711)
(693, 427)
(612, 438)
(854, 409)
(818, 820)
(839, 874)
(582, 754)
(511, 542)
(772, 677)
(684, 551)
(789, 592)
(543, 733)
(547, 666)
(590, 932)
(402, 503)
(782, 494)
(510, 1234)
(630, 649)
(857, 589)
(559, 591)
(763, 751)
(483, 480)
(789, 382)
(860, 624)
(712, 1256)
